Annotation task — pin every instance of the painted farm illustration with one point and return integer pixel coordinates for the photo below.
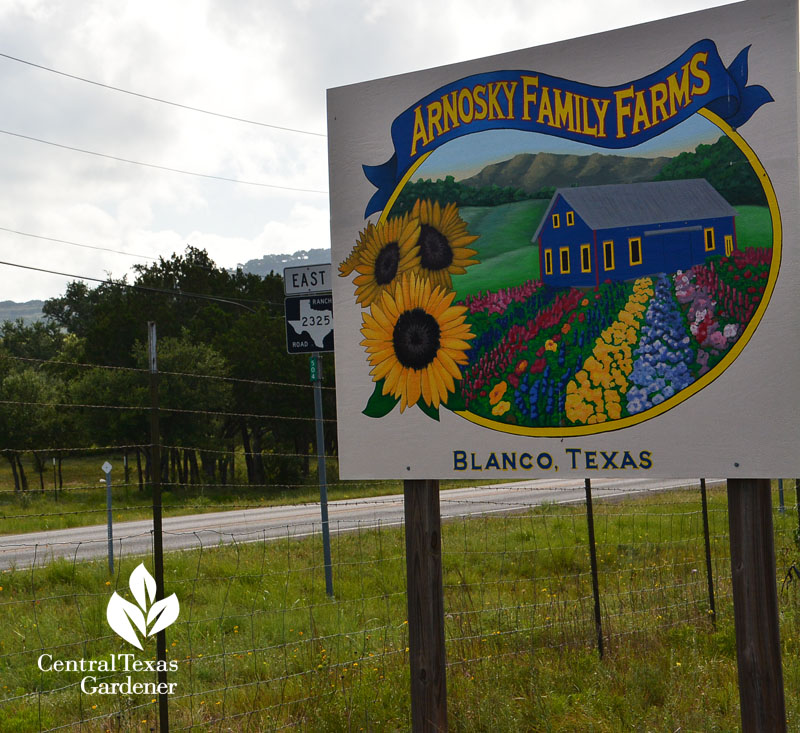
(563, 290)
(623, 231)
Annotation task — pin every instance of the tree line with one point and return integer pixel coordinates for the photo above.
(449, 190)
(724, 166)
(91, 351)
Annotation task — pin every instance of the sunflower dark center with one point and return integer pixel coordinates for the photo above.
(386, 263)
(416, 338)
(434, 250)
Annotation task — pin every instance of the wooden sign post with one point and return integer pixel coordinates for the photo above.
(755, 606)
(425, 606)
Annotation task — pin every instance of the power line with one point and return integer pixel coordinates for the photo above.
(177, 410)
(77, 244)
(240, 302)
(160, 167)
(157, 99)
(91, 246)
(162, 372)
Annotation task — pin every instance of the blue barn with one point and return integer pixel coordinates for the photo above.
(627, 230)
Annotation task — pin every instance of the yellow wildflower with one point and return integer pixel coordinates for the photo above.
(501, 408)
(497, 392)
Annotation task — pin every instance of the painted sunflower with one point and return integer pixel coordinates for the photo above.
(443, 242)
(382, 254)
(350, 262)
(416, 339)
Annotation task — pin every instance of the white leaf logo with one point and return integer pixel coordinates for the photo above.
(125, 618)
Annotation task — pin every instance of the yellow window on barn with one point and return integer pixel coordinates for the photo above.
(548, 262)
(635, 245)
(563, 254)
(608, 254)
(586, 258)
(556, 221)
(709, 237)
(570, 218)
(728, 245)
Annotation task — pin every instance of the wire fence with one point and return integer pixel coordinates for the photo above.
(259, 645)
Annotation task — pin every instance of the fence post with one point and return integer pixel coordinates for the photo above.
(797, 502)
(707, 539)
(158, 546)
(425, 606)
(316, 378)
(755, 606)
(781, 506)
(598, 620)
(107, 471)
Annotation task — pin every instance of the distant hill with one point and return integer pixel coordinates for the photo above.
(29, 312)
(533, 172)
(275, 263)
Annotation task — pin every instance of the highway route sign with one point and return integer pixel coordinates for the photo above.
(309, 323)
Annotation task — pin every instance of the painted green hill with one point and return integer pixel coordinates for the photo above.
(533, 172)
(507, 256)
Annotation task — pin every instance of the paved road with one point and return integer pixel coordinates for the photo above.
(252, 525)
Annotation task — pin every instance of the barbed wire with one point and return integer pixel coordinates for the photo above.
(139, 370)
(162, 409)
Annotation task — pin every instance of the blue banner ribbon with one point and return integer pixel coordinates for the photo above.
(608, 117)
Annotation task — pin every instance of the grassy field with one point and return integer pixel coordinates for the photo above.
(82, 501)
(753, 227)
(261, 647)
(506, 254)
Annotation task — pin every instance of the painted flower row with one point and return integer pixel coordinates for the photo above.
(500, 301)
(596, 394)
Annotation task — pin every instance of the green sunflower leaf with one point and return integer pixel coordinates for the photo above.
(380, 405)
(455, 401)
(429, 410)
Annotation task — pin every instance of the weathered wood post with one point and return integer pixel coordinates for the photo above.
(755, 606)
(425, 606)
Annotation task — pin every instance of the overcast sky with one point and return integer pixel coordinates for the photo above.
(261, 60)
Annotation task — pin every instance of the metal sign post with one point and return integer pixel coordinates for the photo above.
(158, 540)
(309, 330)
(598, 619)
(316, 378)
(107, 471)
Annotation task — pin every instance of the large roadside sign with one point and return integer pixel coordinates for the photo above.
(578, 259)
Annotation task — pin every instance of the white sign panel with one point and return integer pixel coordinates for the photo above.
(307, 279)
(574, 260)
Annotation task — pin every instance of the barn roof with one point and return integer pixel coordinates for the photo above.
(632, 204)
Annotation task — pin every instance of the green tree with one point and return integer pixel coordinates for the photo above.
(29, 419)
(236, 317)
(724, 166)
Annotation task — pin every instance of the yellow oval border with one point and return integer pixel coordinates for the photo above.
(706, 379)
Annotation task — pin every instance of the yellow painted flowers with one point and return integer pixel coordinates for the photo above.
(443, 242)
(414, 336)
(595, 394)
(383, 253)
(416, 340)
